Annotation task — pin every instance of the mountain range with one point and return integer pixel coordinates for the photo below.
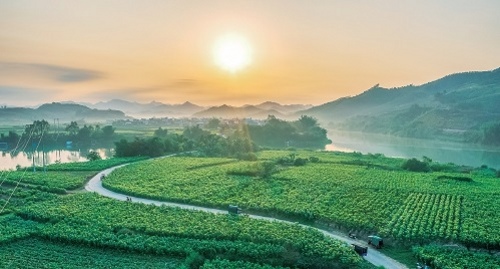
(260, 111)
(149, 110)
(63, 112)
(455, 104)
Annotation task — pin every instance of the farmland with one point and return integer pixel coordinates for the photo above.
(84, 229)
(351, 192)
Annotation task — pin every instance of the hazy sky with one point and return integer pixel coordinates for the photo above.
(302, 51)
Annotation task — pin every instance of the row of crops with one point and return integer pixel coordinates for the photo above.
(441, 257)
(425, 216)
(36, 253)
(91, 220)
(406, 206)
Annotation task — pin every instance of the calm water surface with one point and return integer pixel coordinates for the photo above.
(9, 160)
(438, 151)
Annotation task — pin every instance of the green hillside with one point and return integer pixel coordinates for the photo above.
(459, 104)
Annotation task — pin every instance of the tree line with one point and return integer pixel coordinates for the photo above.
(239, 140)
(41, 132)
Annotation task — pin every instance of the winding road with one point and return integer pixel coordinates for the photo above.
(373, 256)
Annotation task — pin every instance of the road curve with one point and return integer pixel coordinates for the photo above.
(374, 257)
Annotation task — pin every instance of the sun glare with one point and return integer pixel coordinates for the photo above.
(232, 52)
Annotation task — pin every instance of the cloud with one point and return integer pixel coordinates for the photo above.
(185, 83)
(53, 72)
(23, 96)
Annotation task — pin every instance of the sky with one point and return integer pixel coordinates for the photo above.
(309, 52)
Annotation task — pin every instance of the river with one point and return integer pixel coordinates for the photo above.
(438, 151)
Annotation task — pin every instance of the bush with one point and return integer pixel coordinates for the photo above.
(314, 159)
(416, 165)
(194, 260)
(300, 162)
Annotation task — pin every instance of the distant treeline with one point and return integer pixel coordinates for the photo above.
(239, 140)
(40, 134)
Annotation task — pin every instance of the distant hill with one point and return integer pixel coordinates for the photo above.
(283, 109)
(456, 103)
(260, 111)
(63, 112)
(149, 110)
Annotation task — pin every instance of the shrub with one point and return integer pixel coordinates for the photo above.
(416, 165)
(300, 162)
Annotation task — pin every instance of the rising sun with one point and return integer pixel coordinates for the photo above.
(232, 52)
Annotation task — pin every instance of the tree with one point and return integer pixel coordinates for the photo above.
(93, 156)
(213, 123)
(85, 133)
(194, 132)
(72, 128)
(306, 122)
(37, 128)
(161, 132)
(108, 131)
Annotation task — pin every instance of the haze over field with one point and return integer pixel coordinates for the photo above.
(236, 52)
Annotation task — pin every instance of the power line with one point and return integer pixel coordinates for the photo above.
(20, 178)
(24, 145)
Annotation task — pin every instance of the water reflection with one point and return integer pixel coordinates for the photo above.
(439, 151)
(10, 159)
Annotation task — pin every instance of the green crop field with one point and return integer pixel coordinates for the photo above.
(61, 177)
(95, 220)
(351, 192)
(364, 194)
(86, 230)
(36, 253)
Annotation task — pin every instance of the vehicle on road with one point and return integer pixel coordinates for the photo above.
(375, 241)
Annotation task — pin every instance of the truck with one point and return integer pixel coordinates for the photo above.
(375, 241)
(362, 251)
(233, 209)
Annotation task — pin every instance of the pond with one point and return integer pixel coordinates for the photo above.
(9, 160)
(438, 151)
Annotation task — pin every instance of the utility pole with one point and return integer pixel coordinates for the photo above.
(43, 158)
(34, 170)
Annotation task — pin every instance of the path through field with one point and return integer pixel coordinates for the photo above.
(374, 257)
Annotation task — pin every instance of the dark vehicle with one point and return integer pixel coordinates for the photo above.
(362, 251)
(353, 236)
(376, 241)
(233, 209)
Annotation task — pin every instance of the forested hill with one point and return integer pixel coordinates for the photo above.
(63, 112)
(456, 103)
